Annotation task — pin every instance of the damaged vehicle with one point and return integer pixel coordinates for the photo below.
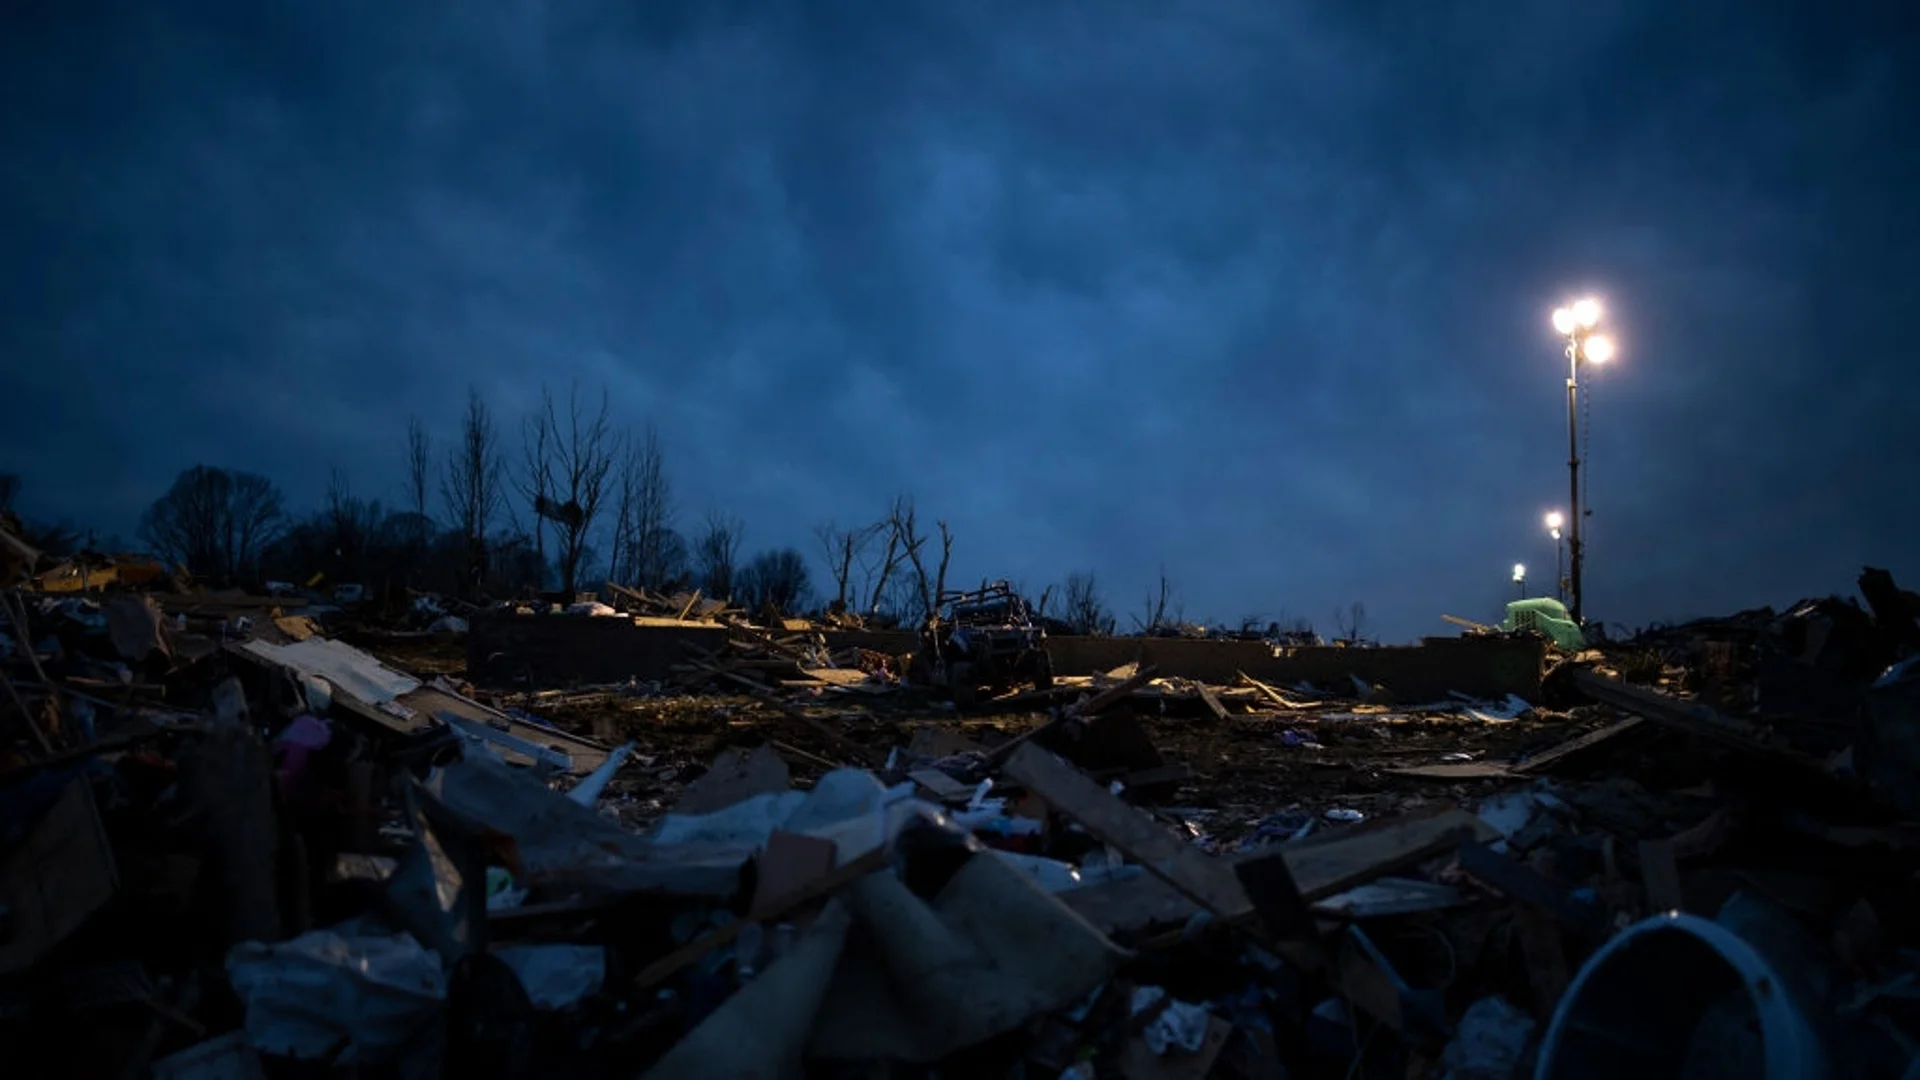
(982, 639)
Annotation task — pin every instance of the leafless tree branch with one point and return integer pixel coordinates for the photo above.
(716, 553)
(470, 484)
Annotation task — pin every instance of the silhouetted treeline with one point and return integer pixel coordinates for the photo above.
(576, 501)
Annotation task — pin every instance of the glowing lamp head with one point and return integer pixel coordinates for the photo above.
(1587, 313)
(1519, 572)
(1563, 321)
(1554, 520)
(1598, 349)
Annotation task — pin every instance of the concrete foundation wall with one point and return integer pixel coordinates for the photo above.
(891, 642)
(562, 649)
(557, 650)
(1483, 667)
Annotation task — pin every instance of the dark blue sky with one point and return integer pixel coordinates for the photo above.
(1254, 289)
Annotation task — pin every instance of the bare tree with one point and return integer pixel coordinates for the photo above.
(212, 521)
(717, 552)
(648, 553)
(902, 539)
(843, 549)
(568, 465)
(775, 580)
(471, 484)
(1159, 600)
(1083, 608)
(186, 524)
(1351, 623)
(350, 523)
(419, 465)
(535, 479)
(932, 587)
(254, 519)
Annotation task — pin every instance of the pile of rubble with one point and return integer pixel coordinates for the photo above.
(237, 846)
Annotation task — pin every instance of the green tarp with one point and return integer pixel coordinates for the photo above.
(1548, 616)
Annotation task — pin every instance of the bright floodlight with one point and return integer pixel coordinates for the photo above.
(1563, 321)
(1554, 520)
(1519, 572)
(1587, 312)
(1598, 348)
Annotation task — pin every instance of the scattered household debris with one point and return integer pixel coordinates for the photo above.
(244, 835)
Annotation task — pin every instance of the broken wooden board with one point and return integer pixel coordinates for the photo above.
(1552, 756)
(1212, 702)
(836, 676)
(1686, 716)
(1321, 868)
(941, 787)
(1203, 879)
(1273, 695)
(1325, 866)
(1455, 770)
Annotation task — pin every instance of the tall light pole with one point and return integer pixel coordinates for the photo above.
(1576, 322)
(1520, 579)
(1554, 521)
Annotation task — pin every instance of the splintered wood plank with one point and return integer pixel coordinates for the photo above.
(1688, 716)
(1212, 702)
(1273, 695)
(1204, 880)
(941, 786)
(1340, 862)
(1548, 758)
(1456, 770)
(693, 601)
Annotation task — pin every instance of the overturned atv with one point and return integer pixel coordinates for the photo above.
(985, 639)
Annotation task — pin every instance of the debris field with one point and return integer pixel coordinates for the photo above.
(251, 836)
